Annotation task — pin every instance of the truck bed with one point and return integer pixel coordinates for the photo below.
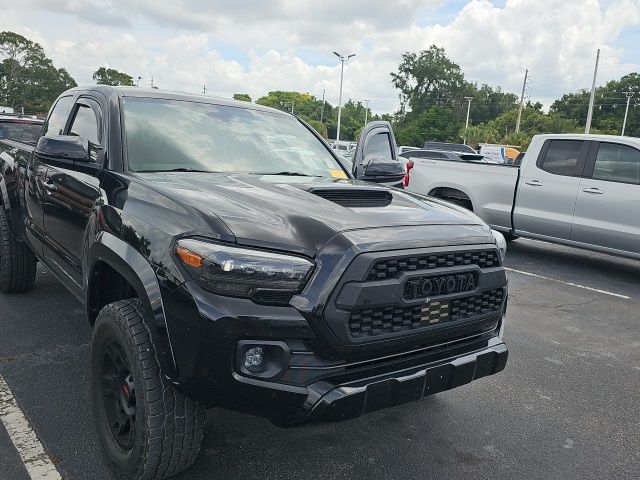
(490, 187)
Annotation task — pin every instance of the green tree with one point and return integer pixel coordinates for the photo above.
(243, 97)
(352, 119)
(431, 86)
(319, 127)
(609, 106)
(111, 76)
(434, 124)
(28, 79)
(428, 78)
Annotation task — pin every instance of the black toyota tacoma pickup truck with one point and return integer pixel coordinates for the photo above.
(226, 258)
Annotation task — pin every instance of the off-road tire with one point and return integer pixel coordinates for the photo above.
(17, 261)
(168, 424)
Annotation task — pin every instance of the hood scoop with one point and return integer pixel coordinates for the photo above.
(355, 197)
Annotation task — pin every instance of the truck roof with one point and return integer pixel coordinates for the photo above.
(588, 136)
(141, 92)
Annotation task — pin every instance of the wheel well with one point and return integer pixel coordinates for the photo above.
(106, 285)
(453, 195)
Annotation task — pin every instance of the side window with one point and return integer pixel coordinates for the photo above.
(58, 116)
(562, 157)
(85, 124)
(617, 163)
(379, 145)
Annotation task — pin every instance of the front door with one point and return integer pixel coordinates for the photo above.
(608, 204)
(71, 195)
(547, 189)
(36, 184)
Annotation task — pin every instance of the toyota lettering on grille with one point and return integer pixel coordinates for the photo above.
(426, 287)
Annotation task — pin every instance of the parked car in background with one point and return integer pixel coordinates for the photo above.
(342, 145)
(578, 190)
(20, 128)
(443, 155)
(448, 147)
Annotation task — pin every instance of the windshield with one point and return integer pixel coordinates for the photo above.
(20, 132)
(166, 135)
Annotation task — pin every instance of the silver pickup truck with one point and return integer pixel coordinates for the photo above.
(578, 190)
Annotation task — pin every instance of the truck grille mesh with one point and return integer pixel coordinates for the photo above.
(392, 267)
(391, 319)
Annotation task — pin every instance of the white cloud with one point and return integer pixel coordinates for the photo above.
(255, 46)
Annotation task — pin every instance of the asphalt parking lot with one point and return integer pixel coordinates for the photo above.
(567, 405)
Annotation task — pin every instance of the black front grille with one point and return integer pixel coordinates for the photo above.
(356, 198)
(391, 319)
(392, 267)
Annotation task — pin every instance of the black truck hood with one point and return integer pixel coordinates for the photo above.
(287, 213)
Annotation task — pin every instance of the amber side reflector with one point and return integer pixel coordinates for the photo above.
(190, 258)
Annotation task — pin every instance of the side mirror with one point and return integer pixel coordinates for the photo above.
(64, 148)
(381, 170)
(376, 158)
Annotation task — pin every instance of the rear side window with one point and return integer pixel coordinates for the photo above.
(58, 116)
(562, 157)
(617, 163)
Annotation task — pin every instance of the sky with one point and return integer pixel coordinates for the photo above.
(255, 46)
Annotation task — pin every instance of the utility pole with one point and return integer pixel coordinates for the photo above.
(626, 112)
(322, 111)
(342, 60)
(524, 85)
(593, 95)
(468, 99)
(366, 111)
(151, 82)
(204, 89)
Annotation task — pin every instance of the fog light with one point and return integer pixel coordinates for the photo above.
(253, 358)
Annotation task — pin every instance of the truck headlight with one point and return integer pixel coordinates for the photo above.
(240, 272)
(501, 243)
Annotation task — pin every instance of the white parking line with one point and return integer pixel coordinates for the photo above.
(529, 274)
(38, 464)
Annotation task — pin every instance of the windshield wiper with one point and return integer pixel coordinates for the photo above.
(290, 174)
(181, 169)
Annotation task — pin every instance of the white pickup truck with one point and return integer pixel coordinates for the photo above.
(579, 190)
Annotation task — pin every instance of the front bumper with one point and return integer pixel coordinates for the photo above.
(327, 401)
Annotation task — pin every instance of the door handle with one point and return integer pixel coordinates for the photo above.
(594, 190)
(534, 183)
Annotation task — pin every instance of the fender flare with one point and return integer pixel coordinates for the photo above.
(136, 270)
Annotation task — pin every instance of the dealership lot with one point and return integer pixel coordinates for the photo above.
(565, 407)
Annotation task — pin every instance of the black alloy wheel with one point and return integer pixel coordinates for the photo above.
(119, 396)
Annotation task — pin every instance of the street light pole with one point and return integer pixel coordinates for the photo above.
(468, 99)
(626, 112)
(343, 59)
(593, 95)
(366, 111)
